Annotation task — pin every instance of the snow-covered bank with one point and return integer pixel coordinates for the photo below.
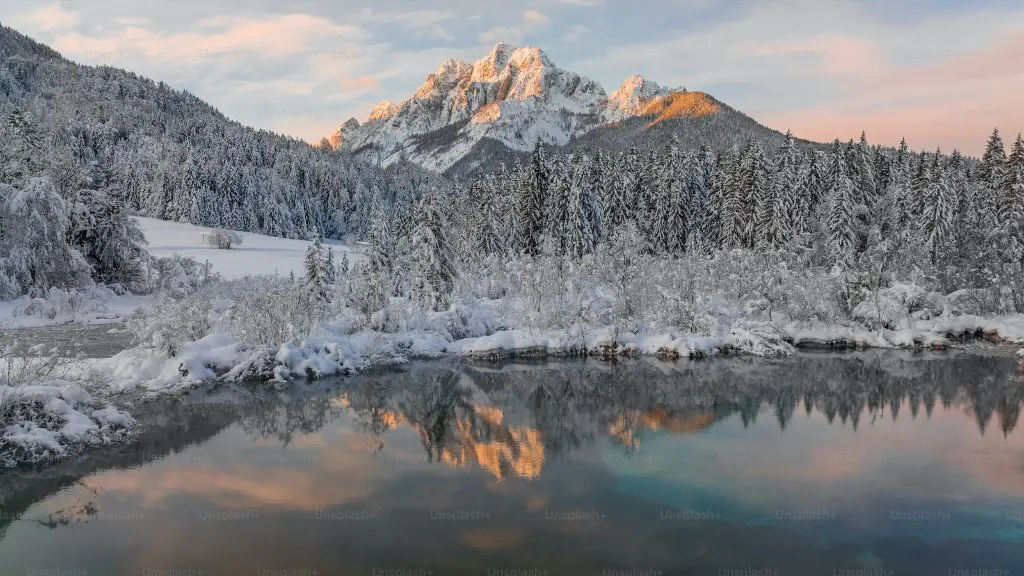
(55, 420)
(333, 351)
(257, 254)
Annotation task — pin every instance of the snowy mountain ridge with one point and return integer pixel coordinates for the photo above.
(515, 96)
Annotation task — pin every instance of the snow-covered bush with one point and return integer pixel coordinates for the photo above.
(223, 239)
(173, 322)
(270, 310)
(177, 276)
(974, 301)
(53, 420)
(55, 302)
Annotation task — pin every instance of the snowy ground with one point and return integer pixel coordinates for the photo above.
(258, 254)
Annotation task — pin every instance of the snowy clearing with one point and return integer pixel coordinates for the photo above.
(258, 254)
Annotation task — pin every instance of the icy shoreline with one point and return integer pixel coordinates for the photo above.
(58, 418)
(222, 357)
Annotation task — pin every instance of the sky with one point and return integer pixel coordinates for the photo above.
(941, 73)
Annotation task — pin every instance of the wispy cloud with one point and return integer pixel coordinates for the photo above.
(824, 68)
(49, 18)
(575, 33)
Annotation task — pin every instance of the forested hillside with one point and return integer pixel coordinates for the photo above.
(167, 154)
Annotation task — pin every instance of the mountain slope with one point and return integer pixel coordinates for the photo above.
(172, 156)
(467, 116)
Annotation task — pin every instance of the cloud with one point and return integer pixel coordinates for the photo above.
(535, 18)
(838, 67)
(222, 37)
(533, 22)
(575, 33)
(819, 66)
(501, 34)
(49, 18)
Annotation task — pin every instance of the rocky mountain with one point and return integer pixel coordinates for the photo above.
(466, 116)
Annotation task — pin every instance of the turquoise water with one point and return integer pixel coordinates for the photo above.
(869, 463)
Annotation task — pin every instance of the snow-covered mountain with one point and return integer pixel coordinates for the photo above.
(506, 102)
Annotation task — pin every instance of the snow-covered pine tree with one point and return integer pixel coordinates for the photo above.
(102, 229)
(938, 213)
(486, 219)
(343, 267)
(21, 148)
(613, 187)
(592, 178)
(842, 231)
(702, 223)
(658, 207)
(710, 174)
(382, 258)
(578, 231)
(330, 267)
(789, 205)
(817, 184)
(992, 174)
(919, 188)
(734, 213)
(1015, 201)
(757, 194)
(532, 196)
(434, 261)
(315, 276)
(557, 202)
(679, 192)
(1011, 180)
(864, 176)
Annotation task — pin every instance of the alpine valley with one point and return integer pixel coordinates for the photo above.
(468, 116)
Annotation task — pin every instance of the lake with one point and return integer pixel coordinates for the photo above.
(853, 464)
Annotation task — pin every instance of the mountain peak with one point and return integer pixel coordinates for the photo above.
(338, 137)
(382, 111)
(513, 97)
(631, 97)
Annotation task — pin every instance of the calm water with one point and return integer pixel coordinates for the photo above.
(873, 463)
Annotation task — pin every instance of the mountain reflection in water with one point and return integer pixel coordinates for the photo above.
(687, 467)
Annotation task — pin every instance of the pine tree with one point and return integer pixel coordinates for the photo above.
(937, 215)
(330, 267)
(316, 277)
(557, 201)
(578, 231)
(435, 264)
(789, 205)
(1011, 180)
(841, 217)
(532, 196)
(734, 212)
(757, 196)
(679, 194)
(702, 225)
(486, 219)
(863, 174)
(992, 173)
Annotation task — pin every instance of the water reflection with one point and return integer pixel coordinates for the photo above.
(462, 467)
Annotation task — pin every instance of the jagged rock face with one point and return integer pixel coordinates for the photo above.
(516, 96)
(340, 135)
(631, 97)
